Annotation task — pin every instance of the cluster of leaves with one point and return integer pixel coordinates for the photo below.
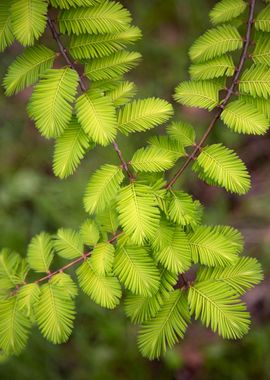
(141, 235)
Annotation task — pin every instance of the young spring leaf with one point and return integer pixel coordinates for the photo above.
(68, 244)
(40, 253)
(153, 159)
(227, 10)
(102, 258)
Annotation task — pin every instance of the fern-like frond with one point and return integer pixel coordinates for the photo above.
(64, 281)
(262, 21)
(50, 104)
(181, 209)
(138, 214)
(143, 114)
(224, 168)
(102, 188)
(168, 326)
(244, 118)
(152, 159)
(103, 290)
(168, 145)
(200, 94)
(66, 4)
(6, 35)
(232, 235)
(241, 276)
(216, 42)
(182, 132)
(27, 68)
(89, 232)
(218, 67)
(70, 149)
(14, 327)
(136, 270)
(227, 10)
(141, 308)
(112, 66)
(217, 306)
(95, 46)
(55, 313)
(261, 104)
(255, 81)
(102, 258)
(28, 296)
(261, 53)
(68, 244)
(97, 116)
(40, 253)
(9, 264)
(122, 93)
(28, 20)
(106, 17)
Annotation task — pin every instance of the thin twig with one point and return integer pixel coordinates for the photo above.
(123, 162)
(230, 92)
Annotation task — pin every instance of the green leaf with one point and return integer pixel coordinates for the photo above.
(211, 247)
(261, 104)
(168, 326)
(152, 159)
(181, 208)
(106, 17)
(100, 45)
(28, 297)
(182, 132)
(97, 116)
(14, 327)
(102, 188)
(70, 149)
(6, 35)
(103, 290)
(28, 20)
(216, 42)
(123, 93)
(222, 166)
(66, 4)
(201, 94)
(244, 118)
(218, 307)
(27, 68)
(240, 276)
(255, 81)
(168, 145)
(217, 67)
(262, 21)
(9, 267)
(140, 308)
(136, 270)
(108, 219)
(68, 244)
(50, 104)
(65, 282)
(138, 214)
(112, 66)
(55, 313)
(102, 258)
(89, 232)
(40, 253)
(227, 10)
(143, 114)
(261, 53)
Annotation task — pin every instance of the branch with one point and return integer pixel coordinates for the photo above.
(230, 92)
(123, 162)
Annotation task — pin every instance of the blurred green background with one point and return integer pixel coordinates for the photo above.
(103, 345)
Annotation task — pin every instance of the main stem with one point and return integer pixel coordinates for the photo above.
(229, 94)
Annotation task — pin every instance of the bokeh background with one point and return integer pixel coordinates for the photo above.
(103, 345)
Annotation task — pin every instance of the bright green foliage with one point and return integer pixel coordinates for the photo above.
(102, 188)
(40, 253)
(108, 219)
(14, 326)
(50, 104)
(102, 258)
(168, 326)
(201, 94)
(181, 208)
(243, 118)
(138, 212)
(6, 35)
(107, 17)
(223, 167)
(263, 20)
(27, 68)
(256, 81)
(216, 42)
(217, 67)
(182, 132)
(142, 115)
(64, 281)
(66, 4)
(261, 104)
(97, 117)
(104, 290)
(140, 308)
(55, 313)
(218, 307)
(89, 232)
(113, 66)
(261, 53)
(70, 149)
(27, 298)
(226, 10)
(152, 159)
(123, 93)
(136, 270)
(68, 244)
(10, 263)
(28, 19)
(168, 146)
